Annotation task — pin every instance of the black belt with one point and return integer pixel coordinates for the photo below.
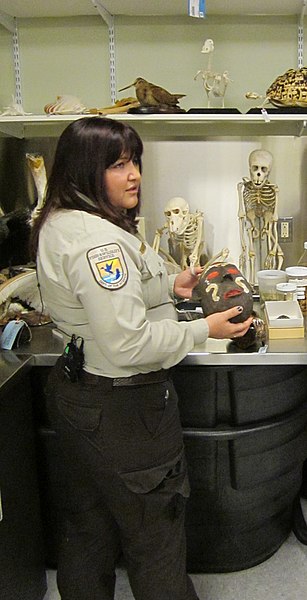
(134, 380)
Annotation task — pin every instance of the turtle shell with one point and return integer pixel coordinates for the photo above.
(289, 89)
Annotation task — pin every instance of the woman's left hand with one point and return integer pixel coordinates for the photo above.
(186, 281)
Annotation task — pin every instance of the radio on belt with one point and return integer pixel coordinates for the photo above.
(73, 356)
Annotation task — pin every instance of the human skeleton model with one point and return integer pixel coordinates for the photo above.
(214, 83)
(185, 233)
(258, 203)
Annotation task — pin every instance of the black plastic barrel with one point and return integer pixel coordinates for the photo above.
(245, 434)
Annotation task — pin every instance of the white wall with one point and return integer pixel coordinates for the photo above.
(207, 174)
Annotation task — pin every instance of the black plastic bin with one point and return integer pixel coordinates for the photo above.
(245, 434)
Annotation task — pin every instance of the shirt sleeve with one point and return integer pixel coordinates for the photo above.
(117, 318)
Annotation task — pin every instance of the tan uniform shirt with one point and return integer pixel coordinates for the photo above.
(107, 286)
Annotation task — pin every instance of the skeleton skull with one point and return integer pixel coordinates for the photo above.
(177, 213)
(260, 164)
(207, 47)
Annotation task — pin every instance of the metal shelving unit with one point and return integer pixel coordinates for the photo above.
(153, 126)
(181, 125)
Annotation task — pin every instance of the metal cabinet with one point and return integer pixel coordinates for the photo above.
(22, 573)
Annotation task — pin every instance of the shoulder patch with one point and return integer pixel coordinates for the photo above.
(108, 266)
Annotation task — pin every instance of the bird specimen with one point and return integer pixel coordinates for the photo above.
(214, 83)
(36, 165)
(149, 94)
(20, 296)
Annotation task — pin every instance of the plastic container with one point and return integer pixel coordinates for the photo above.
(267, 281)
(286, 291)
(298, 275)
(302, 261)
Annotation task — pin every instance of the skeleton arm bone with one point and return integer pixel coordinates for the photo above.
(194, 258)
(157, 238)
(241, 214)
(242, 220)
(271, 218)
(280, 257)
(220, 257)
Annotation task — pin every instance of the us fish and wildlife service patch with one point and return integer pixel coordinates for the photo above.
(108, 266)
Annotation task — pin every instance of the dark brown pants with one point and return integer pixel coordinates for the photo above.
(125, 483)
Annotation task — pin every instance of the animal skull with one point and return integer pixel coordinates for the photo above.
(177, 213)
(208, 47)
(260, 164)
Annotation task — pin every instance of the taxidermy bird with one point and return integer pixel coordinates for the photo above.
(36, 165)
(19, 292)
(149, 94)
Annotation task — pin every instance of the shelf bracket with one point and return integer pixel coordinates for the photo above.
(300, 37)
(265, 115)
(17, 70)
(15, 130)
(7, 21)
(109, 19)
(10, 23)
(302, 128)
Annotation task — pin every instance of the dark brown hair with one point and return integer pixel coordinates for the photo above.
(86, 148)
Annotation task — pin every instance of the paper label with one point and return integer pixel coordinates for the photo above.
(197, 8)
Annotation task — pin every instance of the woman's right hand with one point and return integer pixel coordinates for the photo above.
(220, 326)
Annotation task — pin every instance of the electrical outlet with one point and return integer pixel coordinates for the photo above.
(285, 229)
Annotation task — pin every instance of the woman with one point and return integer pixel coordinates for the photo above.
(116, 418)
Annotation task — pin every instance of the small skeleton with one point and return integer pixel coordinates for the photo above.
(258, 202)
(185, 233)
(214, 83)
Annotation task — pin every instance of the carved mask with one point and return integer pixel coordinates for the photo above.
(223, 286)
(260, 164)
(177, 213)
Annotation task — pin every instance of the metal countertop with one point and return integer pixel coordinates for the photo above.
(46, 345)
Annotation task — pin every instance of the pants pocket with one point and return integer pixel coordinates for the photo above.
(171, 478)
(81, 416)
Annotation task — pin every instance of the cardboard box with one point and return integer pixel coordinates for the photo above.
(284, 319)
(285, 333)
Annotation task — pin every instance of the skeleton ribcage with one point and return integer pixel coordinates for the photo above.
(189, 236)
(259, 201)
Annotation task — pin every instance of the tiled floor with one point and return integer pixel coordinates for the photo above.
(281, 577)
